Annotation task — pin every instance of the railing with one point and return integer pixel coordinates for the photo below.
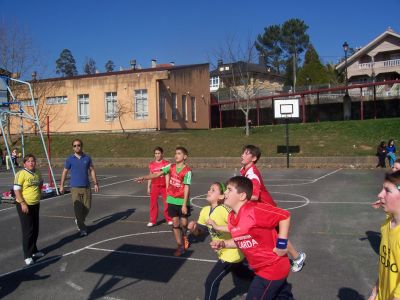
(380, 64)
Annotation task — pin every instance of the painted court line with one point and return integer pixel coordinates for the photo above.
(309, 181)
(151, 255)
(48, 260)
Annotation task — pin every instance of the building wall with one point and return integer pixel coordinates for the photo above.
(64, 117)
(191, 83)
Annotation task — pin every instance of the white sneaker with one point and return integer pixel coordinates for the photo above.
(29, 261)
(38, 254)
(170, 223)
(298, 263)
(150, 224)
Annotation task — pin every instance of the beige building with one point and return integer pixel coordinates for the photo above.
(162, 97)
(378, 61)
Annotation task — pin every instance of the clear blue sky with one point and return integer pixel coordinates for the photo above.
(186, 31)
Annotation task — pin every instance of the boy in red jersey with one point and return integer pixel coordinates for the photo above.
(252, 226)
(157, 187)
(251, 154)
(180, 179)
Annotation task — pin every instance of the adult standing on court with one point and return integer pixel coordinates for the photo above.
(80, 165)
(27, 187)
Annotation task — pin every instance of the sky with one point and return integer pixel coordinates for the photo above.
(186, 32)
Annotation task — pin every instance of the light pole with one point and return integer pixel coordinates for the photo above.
(345, 49)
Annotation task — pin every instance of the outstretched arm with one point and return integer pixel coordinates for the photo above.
(148, 177)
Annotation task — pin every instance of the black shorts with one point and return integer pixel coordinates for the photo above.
(176, 211)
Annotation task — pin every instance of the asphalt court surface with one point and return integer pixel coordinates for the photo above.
(121, 258)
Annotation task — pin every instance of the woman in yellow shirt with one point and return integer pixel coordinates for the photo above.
(27, 187)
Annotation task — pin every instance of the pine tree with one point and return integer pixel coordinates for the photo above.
(109, 66)
(66, 65)
(294, 41)
(269, 44)
(90, 66)
(313, 71)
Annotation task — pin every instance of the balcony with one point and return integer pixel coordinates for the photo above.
(380, 64)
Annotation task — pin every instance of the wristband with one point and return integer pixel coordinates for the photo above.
(281, 244)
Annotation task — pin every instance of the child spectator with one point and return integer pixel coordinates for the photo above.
(157, 187)
(229, 260)
(14, 157)
(390, 152)
(177, 196)
(252, 226)
(387, 285)
(251, 154)
(381, 154)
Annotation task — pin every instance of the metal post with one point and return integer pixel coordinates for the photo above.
(49, 148)
(22, 137)
(303, 108)
(287, 142)
(318, 116)
(7, 146)
(220, 116)
(258, 112)
(361, 105)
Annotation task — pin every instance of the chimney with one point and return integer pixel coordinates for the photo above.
(153, 63)
(220, 62)
(133, 64)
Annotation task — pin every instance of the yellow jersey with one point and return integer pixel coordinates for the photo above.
(389, 261)
(220, 216)
(30, 185)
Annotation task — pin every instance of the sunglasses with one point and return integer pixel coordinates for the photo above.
(77, 145)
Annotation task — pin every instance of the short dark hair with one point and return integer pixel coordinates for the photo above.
(254, 151)
(183, 149)
(28, 156)
(77, 140)
(158, 148)
(242, 184)
(393, 178)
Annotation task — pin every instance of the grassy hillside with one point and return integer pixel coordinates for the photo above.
(350, 138)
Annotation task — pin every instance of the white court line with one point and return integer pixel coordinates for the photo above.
(152, 255)
(113, 195)
(310, 181)
(45, 261)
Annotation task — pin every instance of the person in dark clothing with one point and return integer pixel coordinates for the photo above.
(381, 154)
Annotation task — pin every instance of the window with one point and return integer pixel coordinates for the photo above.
(56, 100)
(214, 82)
(141, 104)
(27, 102)
(184, 107)
(83, 108)
(194, 110)
(162, 106)
(174, 106)
(111, 106)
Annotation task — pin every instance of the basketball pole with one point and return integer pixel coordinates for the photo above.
(287, 142)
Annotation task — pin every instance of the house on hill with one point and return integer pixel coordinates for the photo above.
(378, 61)
(241, 76)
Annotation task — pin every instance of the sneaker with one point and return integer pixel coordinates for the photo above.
(179, 251)
(38, 254)
(150, 224)
(298, 263)
(83, 232)
(29, 261)
(170, 223)
(185, 242)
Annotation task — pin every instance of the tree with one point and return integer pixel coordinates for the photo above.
(109, 66)
(294, 41)
(243, 85)
(66, 65)
(269, 44)
(90, 66)
(313, 71)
